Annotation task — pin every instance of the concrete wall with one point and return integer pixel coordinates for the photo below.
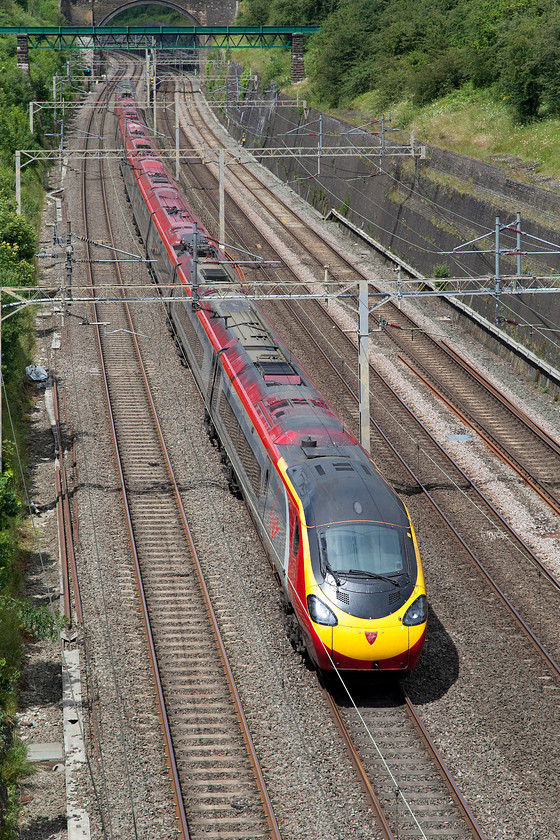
(414, 206)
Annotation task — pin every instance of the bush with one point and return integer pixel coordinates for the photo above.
(437, 77)
(18, 232)
(18, 617)
(441, 270)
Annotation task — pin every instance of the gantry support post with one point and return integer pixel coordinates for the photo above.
(194, 268)
(154, 74)
(363, 357)
(177, 134)
(222, 200)
(148, 76)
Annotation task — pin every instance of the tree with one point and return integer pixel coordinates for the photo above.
(299, 12)
(522, 63)
(253, 13)
(18, 231)
(342, 45)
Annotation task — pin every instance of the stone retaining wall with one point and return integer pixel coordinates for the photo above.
(414, 206)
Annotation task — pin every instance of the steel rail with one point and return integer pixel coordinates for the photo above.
(164, 721)
(71, 554)
(555, 667)
(446, 775)
(267, 804)
(64, 516)
(518, 412)
(75, 517)
(490, 442)
(367, 786)
(62, 545)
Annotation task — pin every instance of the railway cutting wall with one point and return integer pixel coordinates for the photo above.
(415, 206)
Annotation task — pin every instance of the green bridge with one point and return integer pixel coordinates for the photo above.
(157, 37)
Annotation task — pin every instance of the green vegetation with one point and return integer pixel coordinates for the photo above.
(481, 77)
(475, 123)
(423, 49)
(19, 619)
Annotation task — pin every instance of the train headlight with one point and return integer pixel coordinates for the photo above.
(319, 611)
(417, 613)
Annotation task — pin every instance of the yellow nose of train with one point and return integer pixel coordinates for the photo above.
(384, 644)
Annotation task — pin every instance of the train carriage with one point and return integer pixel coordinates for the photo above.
(339, 538)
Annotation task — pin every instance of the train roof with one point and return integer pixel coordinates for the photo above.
(136, 129)
(335, 489)
(142, 147)
(288, 404)
(332, 473)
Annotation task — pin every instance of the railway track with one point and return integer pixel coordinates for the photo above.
(217, 785)
(413, 792)
(523, 572)
(516, 570)
(387, 748)
(509, 432)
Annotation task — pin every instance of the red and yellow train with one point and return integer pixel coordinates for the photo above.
(339, 538)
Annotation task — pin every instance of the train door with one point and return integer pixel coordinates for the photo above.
(275, 521)
(294, 544)
(264, 488)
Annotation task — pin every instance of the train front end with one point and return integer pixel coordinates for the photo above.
(347, 643)
(364, 605)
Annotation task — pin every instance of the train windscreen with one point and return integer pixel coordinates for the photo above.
(364, 548)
